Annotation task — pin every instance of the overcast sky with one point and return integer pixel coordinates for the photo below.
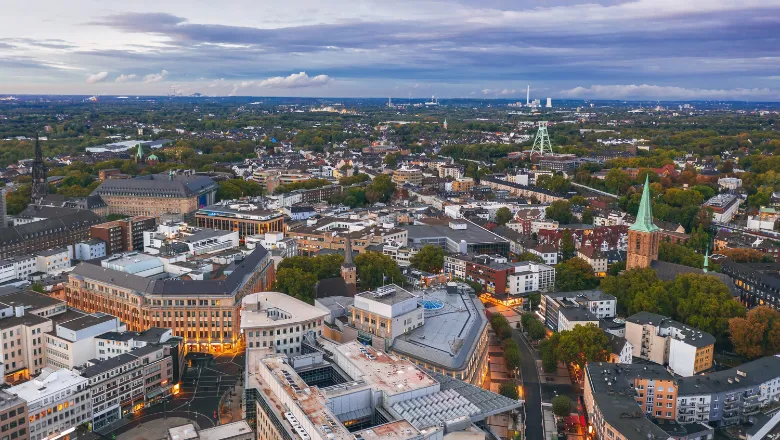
(610, 49)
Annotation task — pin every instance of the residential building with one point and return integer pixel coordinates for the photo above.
(765, 220)
(402, 255)
(284, 404)
(659, 339)
(246, 218)
(596, 259)
(330, 233)
(155, 195)
(278, 323)
(546, 252)
(541, 195)
(57, 401)
(125, 234)
(300, 212)
(53, 261)
(563, 310)
(730, 183)
(203, 312)
(91, 249)
(723, 206)
(411, 176)
(622, 350)
(561, 164)
(13, 417)
(529, 276)
(454, 171)
(757, 284)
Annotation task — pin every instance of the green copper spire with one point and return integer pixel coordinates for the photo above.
(139, 153)
(644, 218)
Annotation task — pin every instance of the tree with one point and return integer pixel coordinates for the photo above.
(561, 405)
(528, 256)
(616, 181)
(705, 303)
(500, 326)
(503, 215)
(630, 284)
(429, 259)
(534, 299)
(509, 389)
(547, 353)
(535, 330)
(757, 334)
(375, 270)
(38, 287)
(511, 354)
(559, 211)
(296, 283)
(587, 216)
(582, 344)
(615, 268)
(746, 255)
(391, 160)
(574, 274)
(567, 247)
(678, 254)
(380, 189)
(321, 266)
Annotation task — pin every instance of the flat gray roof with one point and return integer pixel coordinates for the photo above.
(472, 233)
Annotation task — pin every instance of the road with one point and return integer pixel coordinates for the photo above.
(201, 390)
(532, 392)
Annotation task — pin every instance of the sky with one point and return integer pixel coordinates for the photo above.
(563, 49)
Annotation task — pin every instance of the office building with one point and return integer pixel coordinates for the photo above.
(331, 233)
(125, 234)
(66, 229)
(456, 236)
(90, 249)
(13, 417)
(203, 312)
(563, 310)
(157, 194)
(757, 284)
(723, 206)
(411, 176)
(246, 218)
(57, 401)
(72, 342)
(659, 339)
(239, 430)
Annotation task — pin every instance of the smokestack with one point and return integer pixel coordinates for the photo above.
(528, 96)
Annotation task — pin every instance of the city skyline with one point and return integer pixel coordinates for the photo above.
(566, 49)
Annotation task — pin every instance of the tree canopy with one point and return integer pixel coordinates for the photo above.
(757, 334)
(503, 215)
(574, 274)
(560, 211)
(375, 270)
(429, 259)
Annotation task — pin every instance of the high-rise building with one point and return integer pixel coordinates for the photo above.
(40, 187)
(549, 103)
(643, 235)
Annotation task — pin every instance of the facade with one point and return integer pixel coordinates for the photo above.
(56, 232)
(126, 383)
(57, 401)
(530, 192)
(596, 259)
(411, 176)
(656, 338)
(245, 218)
(90, 249)
(643, 235)
(203, 312)
(723, 206)
(278, 323)
(758, 284)
(13, 417)
(546, 252)
(529, 276)
(53, 261)
(331, 234)
(157, 195)
(564, 310)
(72, 342)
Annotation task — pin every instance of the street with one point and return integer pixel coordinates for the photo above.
(201, 389)
(531, 389)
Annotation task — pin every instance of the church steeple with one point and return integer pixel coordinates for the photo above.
(643, 235)
(348, 268)
(644, 218)
(40, 186)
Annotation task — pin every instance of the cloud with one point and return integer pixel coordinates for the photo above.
(155, 77)
(502, 92)
(96, 78)
(125, 78)
(647, 91)
(294, 81)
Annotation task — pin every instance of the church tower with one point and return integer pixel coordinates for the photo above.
(348, 268)
(40, 186)
(643, 235)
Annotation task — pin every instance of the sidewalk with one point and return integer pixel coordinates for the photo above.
(550, 430)
(234, 403)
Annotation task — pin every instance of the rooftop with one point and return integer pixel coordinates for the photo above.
(273, 309)
(157, 185)
(450, 333)
(49, 382)
(440, 228)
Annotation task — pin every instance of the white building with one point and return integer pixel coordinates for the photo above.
(7, 271)
(90, 249)
(53, 261)
(58, 401)
(24, 265)
(388, 312)
(546, 252)
(72, 343)
(112, 344)
(135, 263)
(529, 276)
(278, 322)
(731, 183)
(723, 206)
